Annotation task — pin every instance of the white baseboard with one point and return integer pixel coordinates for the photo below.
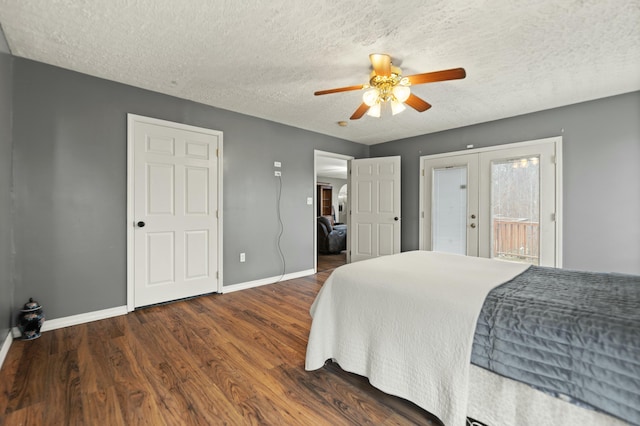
(4, 350)
(78, 319)
(265, 281)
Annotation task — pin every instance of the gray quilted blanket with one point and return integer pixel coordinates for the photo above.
(571, 334)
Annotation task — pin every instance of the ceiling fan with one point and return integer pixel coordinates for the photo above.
(387, 87)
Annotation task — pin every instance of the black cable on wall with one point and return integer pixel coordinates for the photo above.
(281, 228)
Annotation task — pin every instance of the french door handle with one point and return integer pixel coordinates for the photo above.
(473, 225)
(140, 224)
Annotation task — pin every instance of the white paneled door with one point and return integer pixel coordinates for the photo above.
(375, 207)
(174, 207)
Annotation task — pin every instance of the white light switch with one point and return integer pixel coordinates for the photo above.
(309, 201)
(277, 164)
(242, 257)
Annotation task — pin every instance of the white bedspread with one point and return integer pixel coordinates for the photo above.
(406, 322)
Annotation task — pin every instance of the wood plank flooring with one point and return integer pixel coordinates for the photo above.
(230, 359)
(331, 261)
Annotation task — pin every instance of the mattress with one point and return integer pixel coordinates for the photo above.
(571, 334)
(498, 401)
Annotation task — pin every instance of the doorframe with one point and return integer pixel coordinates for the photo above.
(556, 140)
(318, 153)
(131, 120)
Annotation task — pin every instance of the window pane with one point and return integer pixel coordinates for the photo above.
(515, 209)
(450, 210)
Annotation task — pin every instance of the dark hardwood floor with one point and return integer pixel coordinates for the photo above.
(331, 261)
(231, 359)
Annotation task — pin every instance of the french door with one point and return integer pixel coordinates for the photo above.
(501, 202)
(452, 183)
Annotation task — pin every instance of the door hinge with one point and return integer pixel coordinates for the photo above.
(217, 214)
(422, 172)
(553, 217)
(217, 151)
(422, 215)
(553, 159)
(217, 275)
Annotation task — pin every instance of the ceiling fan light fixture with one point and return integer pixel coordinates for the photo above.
(401, 93)
(388, 90)
(397, 107)
(374, 111)
(371, 97)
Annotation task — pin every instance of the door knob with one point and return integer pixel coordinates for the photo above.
(473, 216)
(396, 218)
(473, 225)
(140, 224)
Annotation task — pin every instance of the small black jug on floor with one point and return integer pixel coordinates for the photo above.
(30, 320)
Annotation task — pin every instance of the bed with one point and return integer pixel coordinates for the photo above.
(453, 334)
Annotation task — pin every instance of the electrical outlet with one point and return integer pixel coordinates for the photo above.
(277, 173)
(277, 164)
(242, 257)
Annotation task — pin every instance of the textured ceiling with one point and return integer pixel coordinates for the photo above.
(265, 58)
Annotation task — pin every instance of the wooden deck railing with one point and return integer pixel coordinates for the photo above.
(516, 240)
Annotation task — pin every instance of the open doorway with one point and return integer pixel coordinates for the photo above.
(331, 228)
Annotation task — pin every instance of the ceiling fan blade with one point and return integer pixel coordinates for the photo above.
(339, 89)
(417, 103)
(431, 77)
(381, 64)
(362, 110)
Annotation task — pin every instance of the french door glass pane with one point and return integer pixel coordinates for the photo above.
(450, 210)
(515, 209)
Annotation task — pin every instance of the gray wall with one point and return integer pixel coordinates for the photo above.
(601, 174)
(69, 180)
(70, 183)
(6, 281)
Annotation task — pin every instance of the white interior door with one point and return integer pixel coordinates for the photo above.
(375, 207)
(174, 211)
